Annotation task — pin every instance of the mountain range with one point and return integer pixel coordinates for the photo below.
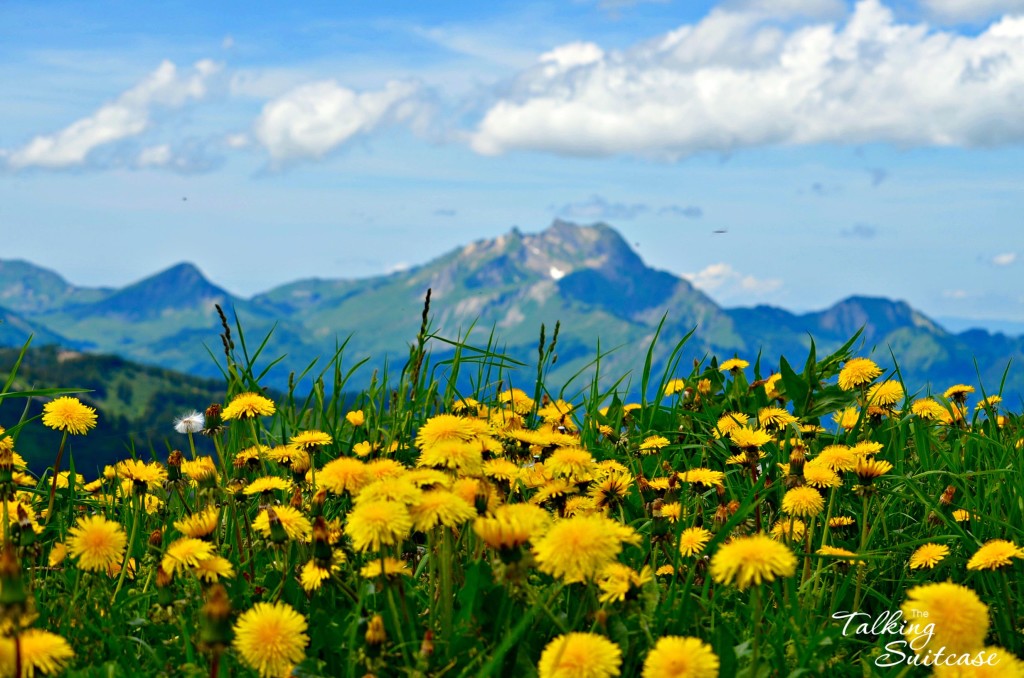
(587, 278)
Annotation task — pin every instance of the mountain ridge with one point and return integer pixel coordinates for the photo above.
(586, 277)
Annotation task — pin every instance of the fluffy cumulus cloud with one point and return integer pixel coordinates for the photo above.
(312, 120)
(127, 116)
(740, 78)
(1004, 259)
(971, 10)
(725, 283)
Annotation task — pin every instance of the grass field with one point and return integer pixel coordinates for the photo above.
(739, 518)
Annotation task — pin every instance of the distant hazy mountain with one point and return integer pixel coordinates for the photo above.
(586, 277)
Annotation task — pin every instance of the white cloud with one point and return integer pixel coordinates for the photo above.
(727, 284)
(971, 10)
(955, 294)
(312, 120)
(737, 79)
(1004, 259)
(125, 117)
(154, 156)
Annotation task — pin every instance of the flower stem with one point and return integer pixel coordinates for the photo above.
(128, 551)
(56, 472)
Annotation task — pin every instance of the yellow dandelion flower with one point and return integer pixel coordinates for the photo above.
(618, 582)
(672, 511)
(311, 440)
(821, 476)
(573, 463)
(612, 489)
(512, 525)
(388, 567)
(837, 458)
(517, 399)
(681, 657)
(693, 540)
(250, 455)
(375, 523)
(733, 365)
(344, 474)
(446, 428)
(789, 528)
(356, 417)
(400, 489)
(775, 418)
(288, 455)
(866, 448)
(928, 555)
(674, 386)
(994, 554)
(577, 549)
(69, 415)
(57, 554)
(703, 478)
(752, 560)
(665, 571)
(185, 553)
(958, 392)
(248, 406)
(729, 421)
(803, 501)
(847, 418)
(267, 484)
(771, 386)
(428, 478)
(990, 401)
(858, 372)
(834, 552)
(951, 616)
(199, 469)
(457, 455)
(295, 524)
(580, 655)
(964, 516)
(142, 474)
(312, 576)
(271, 638)
(502, 469)
(96, 542)
(928, 408)
(440, 507)
(886, 394)
(748, 437)
(839, 522)
(199, 525)
(653, 444)
(867, 470)
(213, 569)
(40, 652)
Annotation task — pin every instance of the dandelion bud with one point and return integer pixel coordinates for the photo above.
(427, 646)
(174, 460)
(947, 496)
(213, 423)
(12, 589)
(296, 500)
(26, 533)
(375, 633)
(215, 627)
(278, 534)
(165, 593)
(321, 541)
(156, 538)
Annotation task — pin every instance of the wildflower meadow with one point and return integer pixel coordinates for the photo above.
(463, 516)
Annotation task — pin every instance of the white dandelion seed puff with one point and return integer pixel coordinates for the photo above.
(192, 422)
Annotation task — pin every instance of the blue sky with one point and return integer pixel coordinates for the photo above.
(868, 148)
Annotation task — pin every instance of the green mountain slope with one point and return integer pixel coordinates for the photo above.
(134, 402)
